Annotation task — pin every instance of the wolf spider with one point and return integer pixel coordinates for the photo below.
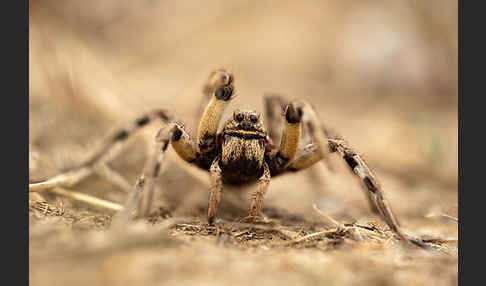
(244, 151)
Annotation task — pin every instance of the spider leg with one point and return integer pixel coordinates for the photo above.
(324, 146)
(184, 147)
(124, 133)
(257, 197)
(274, 105)
(371, 185)
(215, 190)
(289, 143)
(320, 134)
(222, 93)
(314, 153)
(74, 175)
(183, 144)
(305, 158)
(207, 91)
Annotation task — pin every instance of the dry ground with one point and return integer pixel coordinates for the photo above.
(90, 74)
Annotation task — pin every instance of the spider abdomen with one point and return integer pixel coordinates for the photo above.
(242, 160)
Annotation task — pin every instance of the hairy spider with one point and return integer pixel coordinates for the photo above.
(244, 151)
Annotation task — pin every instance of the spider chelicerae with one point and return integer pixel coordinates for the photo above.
(244, 151)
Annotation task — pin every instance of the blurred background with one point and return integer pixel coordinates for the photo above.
(384, 74)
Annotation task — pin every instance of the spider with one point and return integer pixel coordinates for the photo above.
(244, 151)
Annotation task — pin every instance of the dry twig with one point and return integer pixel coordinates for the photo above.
(87, 199)
(443, 215)
(65, 180)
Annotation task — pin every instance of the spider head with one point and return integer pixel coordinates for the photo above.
(245, 123)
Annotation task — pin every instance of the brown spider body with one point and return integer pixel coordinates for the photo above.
(243, 148)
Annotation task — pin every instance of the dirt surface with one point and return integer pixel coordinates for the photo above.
(93, 69)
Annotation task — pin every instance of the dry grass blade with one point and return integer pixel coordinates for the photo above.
(66, 180)
(269, 227)
(339, 225)
(315, 234)
(442, 215)
(87, 199)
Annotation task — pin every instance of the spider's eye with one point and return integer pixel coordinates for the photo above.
(253, 118)
(240, 117)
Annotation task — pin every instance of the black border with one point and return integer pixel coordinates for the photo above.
(15, 135)
(471, 87)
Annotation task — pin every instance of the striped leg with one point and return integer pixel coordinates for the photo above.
(317, 151)
(274, 107)
(305, 158)
(356, 163)
(289, 143)
(208, 90)
(257, 197)
(80, 172)
(183, 145)
(124, 133)
(215, 191)
(223, 92)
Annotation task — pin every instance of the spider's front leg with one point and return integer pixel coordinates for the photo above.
(182, 143)
(213, 82)
(215, 191)
(289, 143)
(323, 146)
(257, 197)
(223, 91)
